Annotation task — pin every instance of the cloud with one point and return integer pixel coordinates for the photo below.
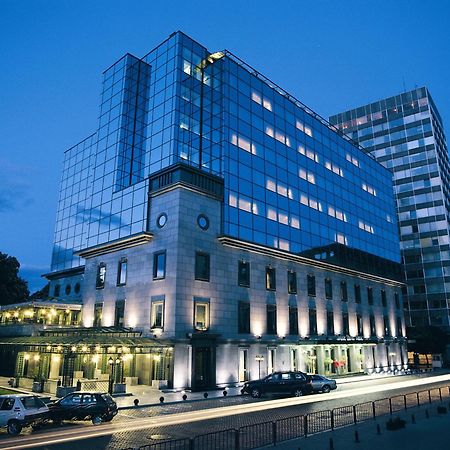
(15, 187)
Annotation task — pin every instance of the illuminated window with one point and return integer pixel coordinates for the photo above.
(243, 143)
(283, 218)
(271, 185)
(337, 214)
(101, 276)
(232, 200)
(352, 159)
(267, 104)
(366, 227)
(271, 214)
(201, 314)
(305, 128)
(157, 314)
(271, 282)
(341, 239)
(334, 168)
(256, 98)
(122, 272)
(187, 67)
(308, 176)
(295, 222)
(369, 189)
(245, 205)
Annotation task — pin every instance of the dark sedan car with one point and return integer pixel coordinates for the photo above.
(93, 406)
(291, 383)
(319, 383)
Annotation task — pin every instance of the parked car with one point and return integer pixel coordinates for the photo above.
(319, 383)
(18, 411)
(93, 406)
(293, 383)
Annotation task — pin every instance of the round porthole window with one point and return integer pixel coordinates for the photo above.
(77, 288)
(203, 222)
(161, 220)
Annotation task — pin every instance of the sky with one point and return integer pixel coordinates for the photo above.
(332, 55)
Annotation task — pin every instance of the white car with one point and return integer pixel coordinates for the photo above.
(21, 410)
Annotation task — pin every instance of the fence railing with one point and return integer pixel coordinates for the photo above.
(269, 433)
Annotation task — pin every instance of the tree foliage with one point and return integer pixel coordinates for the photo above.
(13, 289)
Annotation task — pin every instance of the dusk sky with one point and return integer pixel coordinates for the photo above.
(331, 55)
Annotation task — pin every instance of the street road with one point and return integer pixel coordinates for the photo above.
(135, 427)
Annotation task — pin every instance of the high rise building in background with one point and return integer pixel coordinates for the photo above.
(217, 229)
(405, 133)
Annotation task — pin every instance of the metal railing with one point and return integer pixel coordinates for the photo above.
(270, 433)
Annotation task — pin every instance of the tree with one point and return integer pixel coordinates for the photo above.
(427, 339)
(13, 289)
(41, 293)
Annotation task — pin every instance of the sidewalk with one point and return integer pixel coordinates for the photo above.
(426, 433)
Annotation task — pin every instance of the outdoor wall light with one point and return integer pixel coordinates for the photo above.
(110, 361)
(26, 357)
(74, 349)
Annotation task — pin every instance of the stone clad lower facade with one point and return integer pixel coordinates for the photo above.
(231, 310)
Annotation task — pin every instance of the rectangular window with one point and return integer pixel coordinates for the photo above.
(292, 282)
(243, 365)
(370, 295)
(244, 273)
(345, 324)
(271, 319)
(202, 266)
(270, 360)
(293, 320)
(311, 285)
(101, 276)
(243, 317)
(157, 314)
(359, 324)
(312, 322)
(328, 289)
(122, 272)
(330, 323)
(397, 300)
(119, 313)
(357, 293)
(373, 329)
(383, 298)
(98, 312)
(344, 293)
(399, 327)
(201, 315)
(159, 265)
(271, 282)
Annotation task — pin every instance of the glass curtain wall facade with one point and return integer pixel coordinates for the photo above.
(405, 134)
(290, 181)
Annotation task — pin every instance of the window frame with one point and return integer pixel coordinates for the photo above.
(244, 306)
(197, 275)
(100, 280)
(271, 311)
(293, 321)
(271, 278)
(120, 271)
(205, 303)
(311, 292)
(343, 291)
(115, 313)
(328, 288)
(156, 256)
(155, 303)
(357, 291)
(292, 282)
(244, 281)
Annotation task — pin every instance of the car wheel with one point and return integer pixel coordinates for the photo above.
(96, 420)
(14, 428)
(107, 418)
(255, 393)
(326, 389)
(298, 393)
(57, 422)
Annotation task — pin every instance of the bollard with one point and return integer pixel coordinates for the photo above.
(184, 397)
(427, 414)
(205, 395)
(331, 444)
(356, 436)
(225, 393)
(161, 399)
(136, 401)
(378, 428)
(413, 418)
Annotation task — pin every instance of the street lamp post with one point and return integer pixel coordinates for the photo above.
(259, 358)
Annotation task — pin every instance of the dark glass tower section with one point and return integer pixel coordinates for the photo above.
(405, 134)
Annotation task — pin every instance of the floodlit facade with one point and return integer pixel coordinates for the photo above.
(222, 230)
(405, 133)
